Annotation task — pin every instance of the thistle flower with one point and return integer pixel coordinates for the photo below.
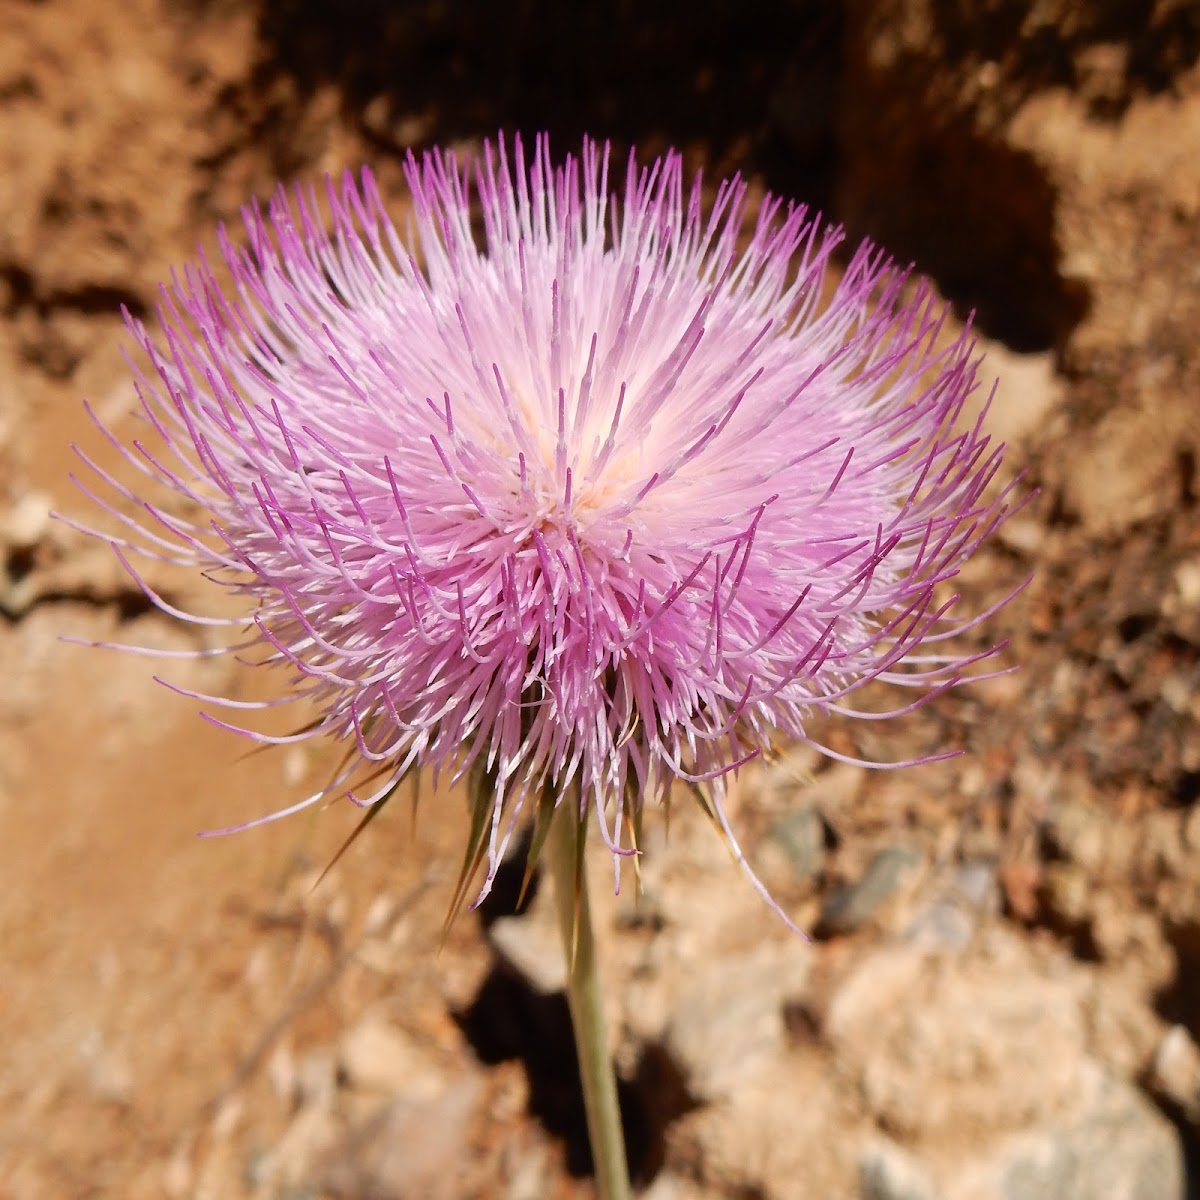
(581, 492)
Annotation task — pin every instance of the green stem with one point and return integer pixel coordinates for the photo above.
(587, 1003)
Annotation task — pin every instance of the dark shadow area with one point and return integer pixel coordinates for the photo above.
(757, 87)
(508, 1020)
(979, 217)
(1185, 789)
(924, 165)
(774, 89)
(1179, 1001)
(712, 79)
(18, 291)
(505, 898)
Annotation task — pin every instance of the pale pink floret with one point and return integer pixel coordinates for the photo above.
(601, 498)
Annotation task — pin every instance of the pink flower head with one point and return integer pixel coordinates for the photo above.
(581, 490)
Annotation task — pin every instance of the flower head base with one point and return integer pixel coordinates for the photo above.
(598, 498)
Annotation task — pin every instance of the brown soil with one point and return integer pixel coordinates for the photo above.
(157, 990)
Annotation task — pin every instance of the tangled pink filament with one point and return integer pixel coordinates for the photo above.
(594, 499)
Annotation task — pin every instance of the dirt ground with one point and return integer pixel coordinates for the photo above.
(195, 1018)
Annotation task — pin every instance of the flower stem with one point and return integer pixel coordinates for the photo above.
(587, 1005)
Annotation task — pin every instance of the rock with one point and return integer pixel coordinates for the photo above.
(975, 884)
(1126, 936)
(987, 1039)
(801, 837)
(851, 907)
(948, 923)
(1175, 1073)
(1117, 1147)
(407, 1150)
(1186, 582)
(1028, 392)
(281, 1072)
(109, 1072)
(1122, 471)
(1123, 1029)
(27, 522)
(1162, 851)
(887, 1172)
(943, 926)
(1023, 535)
(1066, 894)
(1078, 833)
(530, 944)
(530, 1175)
(727, 1023)
(979, 1064)
(376, 1056)
(692, 891)
(290, 1161)
(791, 1134)
(669, 1186)
(1019, 883)
(315, 1079)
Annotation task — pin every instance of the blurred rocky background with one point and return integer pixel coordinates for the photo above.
(1001, 1000)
